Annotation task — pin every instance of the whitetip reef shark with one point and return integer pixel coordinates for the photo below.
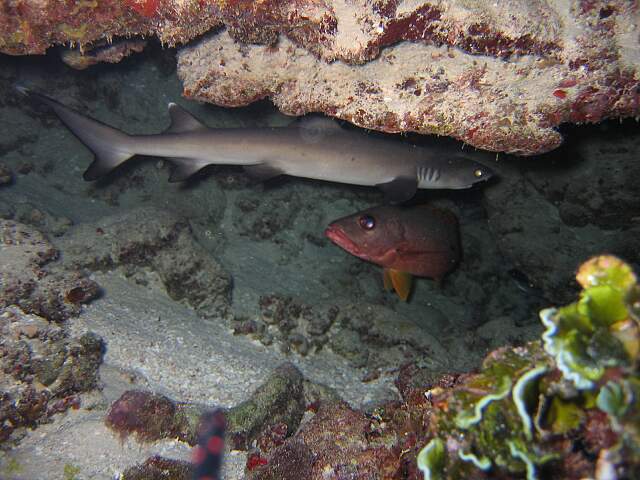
(317, 148)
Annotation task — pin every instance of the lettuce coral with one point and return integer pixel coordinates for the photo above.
(579, 385)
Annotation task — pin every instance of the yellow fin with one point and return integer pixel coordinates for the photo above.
(401, 281)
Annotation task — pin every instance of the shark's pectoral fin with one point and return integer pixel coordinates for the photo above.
(401, 281)
(262, 172)
(105, 162)
(399, 190)
(183, 168)
(182, 121)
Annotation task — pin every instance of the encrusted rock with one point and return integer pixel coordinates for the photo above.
(336, 443)
(31, 26)
(27, 280)
(152, 416)
(43, 369)
(160, 242)
(160, 468)
(530, 215)
(277, 404)
(280, 400)
(102, 53)
(532, 76)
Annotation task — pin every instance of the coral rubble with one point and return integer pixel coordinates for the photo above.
(29, 277)
(43, 369)
(43, 366)
(159, 468)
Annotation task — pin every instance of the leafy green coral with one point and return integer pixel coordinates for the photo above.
(598, 331)
(507, 416)
(431, 459)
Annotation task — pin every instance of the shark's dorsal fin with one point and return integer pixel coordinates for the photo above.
(182, 121)
(399, 190)
(312, 122)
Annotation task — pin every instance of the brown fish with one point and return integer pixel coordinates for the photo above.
(423, 241)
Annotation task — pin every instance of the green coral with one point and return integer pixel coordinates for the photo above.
(598, 331)
(468, 418)
(431, 460)
(504, 417)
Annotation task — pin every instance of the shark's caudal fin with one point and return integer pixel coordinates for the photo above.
(110, 146)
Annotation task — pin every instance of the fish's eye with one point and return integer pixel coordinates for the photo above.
(478, 172)
(367, 222)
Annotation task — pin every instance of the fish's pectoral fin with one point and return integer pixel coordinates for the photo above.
(401, 281)
(182, 121)
(399, 190)
(183, 168)
(262, 172)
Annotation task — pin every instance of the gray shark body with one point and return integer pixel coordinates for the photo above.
(317, 148)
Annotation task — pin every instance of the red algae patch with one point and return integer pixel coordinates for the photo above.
(148, 415)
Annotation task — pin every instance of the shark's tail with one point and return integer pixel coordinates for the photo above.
(110, 146)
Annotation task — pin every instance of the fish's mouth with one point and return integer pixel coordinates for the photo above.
(340, 238)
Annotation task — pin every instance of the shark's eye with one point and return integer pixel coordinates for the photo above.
(367, 222)
(478, 172)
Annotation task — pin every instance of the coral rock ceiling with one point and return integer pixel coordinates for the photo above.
(497, 75)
